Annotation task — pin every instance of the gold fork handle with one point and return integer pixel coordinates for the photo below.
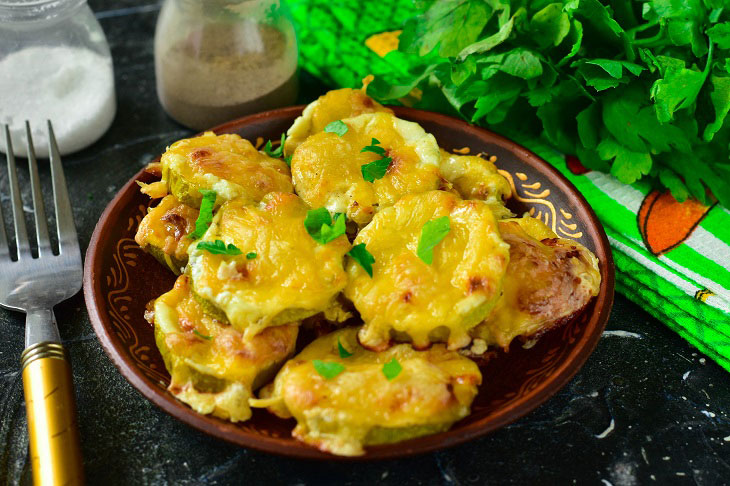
(51, 410)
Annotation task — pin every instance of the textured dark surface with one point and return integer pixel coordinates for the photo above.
(646, 408)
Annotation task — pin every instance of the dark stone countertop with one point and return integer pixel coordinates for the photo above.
(646, 408)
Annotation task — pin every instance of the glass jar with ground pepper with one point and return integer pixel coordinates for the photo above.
(216, 60)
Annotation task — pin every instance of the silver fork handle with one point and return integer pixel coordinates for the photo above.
(40, 327)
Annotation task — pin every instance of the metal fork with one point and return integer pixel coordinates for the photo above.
(34, 286)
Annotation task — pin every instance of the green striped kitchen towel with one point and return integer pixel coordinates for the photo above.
(672, 259)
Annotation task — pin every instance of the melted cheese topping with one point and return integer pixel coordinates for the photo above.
(215, 370)
(548, 280)
(334, 105)
(327, 168)
(409, 299)
(476, 178)
(164, 229)
(292, 276)
(360, 406)
(227, 164)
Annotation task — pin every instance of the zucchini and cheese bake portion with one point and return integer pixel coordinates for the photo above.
(280, 274)
(345, 397)
(408, 298)
(548, 280)
(226, 164)
(332, 106)
(164, 230)
(376, 160)
(212, 367)
(474, 177)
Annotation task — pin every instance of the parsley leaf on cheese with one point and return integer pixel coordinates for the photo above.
(391, 369)
(328, 370)
(320, 226)
(431, 235)
(338, 127)
(218, 247)
(373, 147)
(376, 169)
(203, 336)
(344, 353)
(360, 254)
(251, 255)
(206, 214)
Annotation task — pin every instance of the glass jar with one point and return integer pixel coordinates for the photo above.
(54, 65)
(216, 60)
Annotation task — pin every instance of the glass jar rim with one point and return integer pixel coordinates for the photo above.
(28, 10)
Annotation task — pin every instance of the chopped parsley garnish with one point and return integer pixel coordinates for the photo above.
(218, 247)
(392, 368)
(431, 235)
(320, 227)
(206, 214)
(207, 338)
(373, 147)
(328, 370)
(377, 169)
(278, 151)
(360, 254)
(344, 353)
(338, 127)
(251, 255)
(287, 159)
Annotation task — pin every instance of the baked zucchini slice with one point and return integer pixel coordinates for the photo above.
(376, 398)
(328, 168)
(409, 299)
(227, 164)
(290, 277)
(549, 279)
(212, 367)
(476, 178)
(163, 232)
(334, 105)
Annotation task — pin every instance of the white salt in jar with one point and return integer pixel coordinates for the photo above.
(54, 65)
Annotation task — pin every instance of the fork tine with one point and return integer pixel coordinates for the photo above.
(67, 239)
(39, 211)
(21, 234)
(4, 249)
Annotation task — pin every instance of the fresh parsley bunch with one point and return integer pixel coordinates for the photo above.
(637, 88)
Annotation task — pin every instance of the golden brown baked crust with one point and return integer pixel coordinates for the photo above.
(548, 280)
(291, 277)
(408, 299)
(361, 406)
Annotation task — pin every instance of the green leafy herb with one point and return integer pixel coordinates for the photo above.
(344, 353)
(391, 369)
(378, 168)
(251, 255)
(287, 159)
(328, 370)
(275, 152)
(320, 227)
(431, 235)
(218, 247)
(638, 89)
(360, 254)
(337, 126)
(375, 170)
(207, 338)
(373, 147)
(206, 214)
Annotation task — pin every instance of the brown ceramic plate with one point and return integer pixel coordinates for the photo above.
(119, 279)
